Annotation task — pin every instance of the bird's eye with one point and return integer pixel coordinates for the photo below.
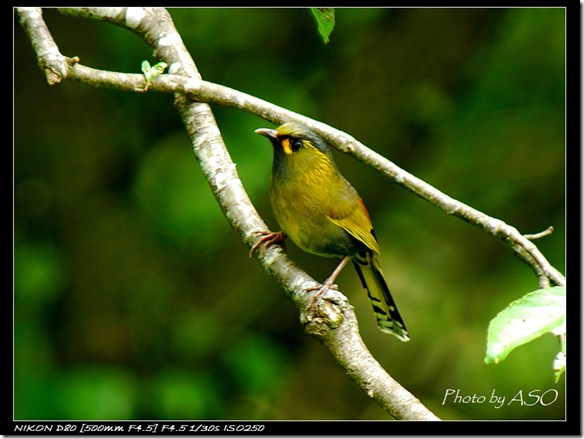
(295, 144)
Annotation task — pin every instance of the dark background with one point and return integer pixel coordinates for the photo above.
(133, 299)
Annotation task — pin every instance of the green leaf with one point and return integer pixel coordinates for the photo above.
(145, 67)
(526, 319)
(152, 72)
(325, 18)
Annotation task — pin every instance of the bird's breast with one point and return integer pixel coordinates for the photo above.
(303, 211)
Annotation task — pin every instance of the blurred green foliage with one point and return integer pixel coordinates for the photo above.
(133, 299)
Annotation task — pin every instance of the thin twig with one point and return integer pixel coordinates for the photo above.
(203, 91)
(57, 67)
(546, 232)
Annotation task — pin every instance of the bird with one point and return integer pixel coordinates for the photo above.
(322, 213)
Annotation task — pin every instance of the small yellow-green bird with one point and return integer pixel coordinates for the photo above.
(323, 214)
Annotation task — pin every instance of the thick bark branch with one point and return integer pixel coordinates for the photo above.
(333, 323)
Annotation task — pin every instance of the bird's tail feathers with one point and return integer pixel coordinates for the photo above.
(389, 319)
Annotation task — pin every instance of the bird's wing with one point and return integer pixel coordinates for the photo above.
(356, 222)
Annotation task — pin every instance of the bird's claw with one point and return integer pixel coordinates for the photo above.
(268, 238)
(321, 291)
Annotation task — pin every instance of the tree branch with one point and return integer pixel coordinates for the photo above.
(334, 323)
(203, 91)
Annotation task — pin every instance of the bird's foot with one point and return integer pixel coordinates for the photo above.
(321, 291)
(268, 238)
(320, 314)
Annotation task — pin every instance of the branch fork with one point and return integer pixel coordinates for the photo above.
(332, 320)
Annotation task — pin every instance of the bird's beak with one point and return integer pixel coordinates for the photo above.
(270, 134)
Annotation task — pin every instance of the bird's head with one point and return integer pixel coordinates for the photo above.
(298, 150)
